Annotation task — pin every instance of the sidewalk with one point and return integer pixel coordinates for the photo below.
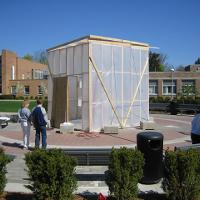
(176, 131)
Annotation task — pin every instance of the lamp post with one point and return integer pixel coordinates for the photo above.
(172, 71)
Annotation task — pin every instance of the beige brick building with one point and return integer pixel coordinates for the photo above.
(22, 77)
(175, 83)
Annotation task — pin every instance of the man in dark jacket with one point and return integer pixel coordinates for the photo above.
(39, 118)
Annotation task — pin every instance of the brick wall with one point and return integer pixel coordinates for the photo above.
(33, 86)
(23, 73)
(178, 76)
(8, 60)
(25, 68)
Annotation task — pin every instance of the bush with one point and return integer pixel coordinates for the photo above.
(20, 98)
(45, 104)
(197, 100)
(182, 175)
(7, 96)
(3, 161)
(124, 172)
(51, 174)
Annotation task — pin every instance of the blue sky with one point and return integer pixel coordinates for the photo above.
(28, 26)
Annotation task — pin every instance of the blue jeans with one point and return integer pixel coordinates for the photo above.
(42, 130)
(195, 138)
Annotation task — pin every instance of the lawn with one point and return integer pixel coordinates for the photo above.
(13, 105)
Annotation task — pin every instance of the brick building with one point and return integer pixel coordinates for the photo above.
(175, 83)
(22, 77)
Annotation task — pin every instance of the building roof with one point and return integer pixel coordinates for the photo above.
(88, 38)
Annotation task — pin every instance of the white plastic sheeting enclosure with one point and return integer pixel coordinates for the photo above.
(99, 82)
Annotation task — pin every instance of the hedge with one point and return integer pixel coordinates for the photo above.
(51, 174)
(124, 172)
(4, 159)
(182, 175)
(181, 100)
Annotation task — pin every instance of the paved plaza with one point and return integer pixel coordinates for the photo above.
(175, 128)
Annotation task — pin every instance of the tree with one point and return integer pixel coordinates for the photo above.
(197, 61)
(180, 68)
(41, 56)
(28, 57)
(157, 62)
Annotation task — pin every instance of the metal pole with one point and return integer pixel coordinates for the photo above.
(172, 70)
(172, 87)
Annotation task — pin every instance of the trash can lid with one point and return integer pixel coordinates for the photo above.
(150, 135)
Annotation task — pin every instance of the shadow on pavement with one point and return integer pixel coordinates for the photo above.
(8, 144)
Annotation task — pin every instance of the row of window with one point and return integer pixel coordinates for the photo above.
(169, 87)
(26, 90)
(36, 74)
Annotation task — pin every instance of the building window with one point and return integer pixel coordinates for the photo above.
(188, 87)
(39, 74)
(40, 90)
(169, 87)
(13, 72)
(26, 90)
(14, 90)
(153, 87)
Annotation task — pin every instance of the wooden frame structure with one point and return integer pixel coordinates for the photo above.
(110, 69)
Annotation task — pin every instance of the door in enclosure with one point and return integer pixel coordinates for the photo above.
(59, 107)
(67, 100)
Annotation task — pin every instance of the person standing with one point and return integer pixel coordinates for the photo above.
(39, 118)
(25, 121)
(195, 132)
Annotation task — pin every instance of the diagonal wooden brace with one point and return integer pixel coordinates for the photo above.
(105, 90)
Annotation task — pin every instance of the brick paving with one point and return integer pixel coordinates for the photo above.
(172, 127)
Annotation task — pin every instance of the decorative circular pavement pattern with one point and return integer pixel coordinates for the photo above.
(175, 128)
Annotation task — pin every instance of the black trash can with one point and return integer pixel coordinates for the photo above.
(151, 145)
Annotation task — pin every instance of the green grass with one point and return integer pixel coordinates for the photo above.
(13, 106)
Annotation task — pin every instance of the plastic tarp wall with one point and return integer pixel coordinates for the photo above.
(124, 70)
(71, 62)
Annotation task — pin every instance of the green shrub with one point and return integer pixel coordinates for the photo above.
(51, 174)
(19, 97)
(197, 100)
(160, 99)
(124, 172)
(7, 96)
(181, 100)
(45, 104)
(167, 99)
(182, 175)
(152, 100)
(3, 161)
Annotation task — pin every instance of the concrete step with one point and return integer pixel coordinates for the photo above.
(91, 179)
